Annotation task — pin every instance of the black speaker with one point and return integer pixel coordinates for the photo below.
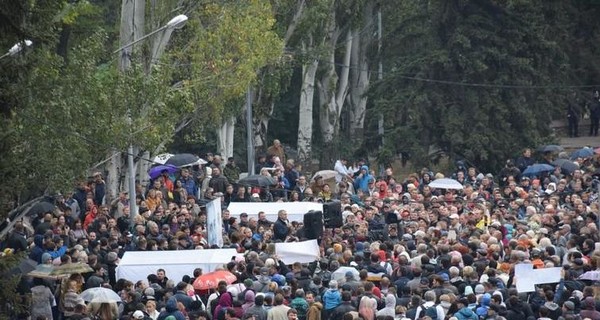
(313, 225)
(332, 214)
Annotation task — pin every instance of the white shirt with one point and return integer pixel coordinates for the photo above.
(341, 171)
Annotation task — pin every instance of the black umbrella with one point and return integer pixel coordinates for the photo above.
(25, 266)
(184, 160)
(565, 165)
(551, 148)
(40, 208)
(257, 180)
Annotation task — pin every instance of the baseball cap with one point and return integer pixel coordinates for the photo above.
(138, 315)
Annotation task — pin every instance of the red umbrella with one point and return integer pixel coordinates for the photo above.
(211, 280)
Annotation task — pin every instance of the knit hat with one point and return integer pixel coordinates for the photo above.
(45, 257)
(468, 290)
(248, 283)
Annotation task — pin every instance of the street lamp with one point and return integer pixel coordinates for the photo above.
(176, 23)
(18, 47)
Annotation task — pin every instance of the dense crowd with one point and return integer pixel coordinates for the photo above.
(404, 250)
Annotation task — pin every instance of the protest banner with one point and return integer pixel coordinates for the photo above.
(214, 223)
(303, 252)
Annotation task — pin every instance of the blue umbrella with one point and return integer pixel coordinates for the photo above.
(156, 171)
(536, 169)
(582, 153)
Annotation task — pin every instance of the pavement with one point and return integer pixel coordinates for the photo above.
(577, 143)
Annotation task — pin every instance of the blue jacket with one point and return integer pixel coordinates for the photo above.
(190, 186)
(363, 182)
(466, 314)
(331, 299)
(38, 250)
(171, 310)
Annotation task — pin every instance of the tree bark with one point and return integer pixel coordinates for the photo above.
(305, 122)
(333, 88)
(360, 76)
(225, 136)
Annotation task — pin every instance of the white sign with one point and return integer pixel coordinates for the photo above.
(303, 252)
(214, 223)
(295, 210)
(137, 265)
(527, 277)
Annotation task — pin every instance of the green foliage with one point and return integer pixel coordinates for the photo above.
(10, 281)
(233, 41)
(463, 43)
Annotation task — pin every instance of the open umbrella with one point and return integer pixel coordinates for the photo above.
(582, 153)
(325, 174)
(538, 168)
(25, 266)
(551, 148)
(566, 165)
(71, 268)
(211, 280)
(185, 160)
(257, 180)
(340, 273)
(593, 275)
(43, 271)
(162, 158)
(156, 171)
(446, 183)
(40, 208)
(100, 295)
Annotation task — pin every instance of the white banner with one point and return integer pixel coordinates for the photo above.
(214, 223)
(303, 252)
(137, 265)
(295, 210)
(527, 277)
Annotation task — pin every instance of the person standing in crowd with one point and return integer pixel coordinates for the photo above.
(594, 108)
(276, 150)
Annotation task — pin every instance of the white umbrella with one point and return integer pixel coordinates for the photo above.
(162, 158)
(446, 183)
(325, 174)
(340, 273)
(100, 295)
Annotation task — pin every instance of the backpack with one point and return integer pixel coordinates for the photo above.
(428, 312)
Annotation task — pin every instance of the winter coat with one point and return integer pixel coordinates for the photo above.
(42, 301)
(332, 298)
(171, 310)
(466, 314)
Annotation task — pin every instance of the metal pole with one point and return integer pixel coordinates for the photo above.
(132, 195)
(249, 132)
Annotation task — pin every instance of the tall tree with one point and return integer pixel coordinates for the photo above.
(485, 55)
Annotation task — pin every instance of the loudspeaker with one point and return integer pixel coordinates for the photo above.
(313, 225)
(332, 214)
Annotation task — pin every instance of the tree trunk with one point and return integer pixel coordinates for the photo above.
(360, 74)
(305, 122)
(225, 136)
(113, 179)
(333, 89)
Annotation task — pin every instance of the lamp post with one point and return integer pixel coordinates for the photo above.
(176, 23)
(18, 47)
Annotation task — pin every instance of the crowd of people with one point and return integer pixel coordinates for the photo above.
(409, 251)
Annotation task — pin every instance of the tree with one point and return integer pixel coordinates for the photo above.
(476, 48)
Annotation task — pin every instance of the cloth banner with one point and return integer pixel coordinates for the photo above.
(295, 210)
(214, 223)
(527, 277)
(137, 265)
(303, 252)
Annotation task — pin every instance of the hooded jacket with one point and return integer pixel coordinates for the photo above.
(171, 310)
(332, 298)
(485, 305)
(363, 182)
(466, 314)
(225, 301)
(38, 250)
(314, 311)
(390, 307)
